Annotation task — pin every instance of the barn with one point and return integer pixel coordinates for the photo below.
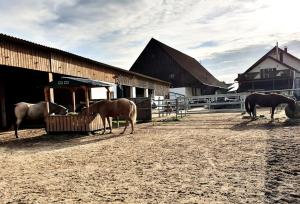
(185, 73)
(26, 68)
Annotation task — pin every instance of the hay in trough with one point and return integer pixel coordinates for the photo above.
(293, 113)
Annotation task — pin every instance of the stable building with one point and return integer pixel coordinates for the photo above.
(26, 68)
(185, 74)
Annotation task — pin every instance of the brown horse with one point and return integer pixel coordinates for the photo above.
(35, 112)
(115, 108)
(267, 100)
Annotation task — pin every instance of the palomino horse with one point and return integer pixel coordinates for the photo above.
(119, 107)
(36, 111)
(267, 100)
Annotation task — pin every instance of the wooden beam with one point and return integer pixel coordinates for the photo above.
(107, 93)
(50, 76)
(47, 98)
(87, 98)
(74, 99)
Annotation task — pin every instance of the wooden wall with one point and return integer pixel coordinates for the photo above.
(27, 55)
(70, 66)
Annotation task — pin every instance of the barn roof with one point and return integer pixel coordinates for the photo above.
(191, 65)
(76, 82)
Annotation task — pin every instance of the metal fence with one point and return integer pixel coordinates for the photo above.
(233, 102)
(169, 107)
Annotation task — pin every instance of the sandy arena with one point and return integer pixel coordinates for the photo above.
(207, 158)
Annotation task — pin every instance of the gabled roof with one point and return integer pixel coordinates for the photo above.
(189, 64)
(267, 55)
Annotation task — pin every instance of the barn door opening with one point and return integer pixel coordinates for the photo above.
(2, 107)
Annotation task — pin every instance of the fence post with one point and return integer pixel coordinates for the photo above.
(176, 101)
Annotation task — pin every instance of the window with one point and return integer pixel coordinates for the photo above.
(268, 73)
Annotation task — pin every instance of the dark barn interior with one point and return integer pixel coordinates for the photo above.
(19, 85)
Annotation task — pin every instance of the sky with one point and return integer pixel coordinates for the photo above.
(226, 37)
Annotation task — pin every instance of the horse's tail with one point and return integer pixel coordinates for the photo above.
(133, 111)
(247, 104)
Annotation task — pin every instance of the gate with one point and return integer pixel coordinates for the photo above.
(143, 106)
(217, 103)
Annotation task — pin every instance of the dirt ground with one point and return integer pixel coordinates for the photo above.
(203, 158)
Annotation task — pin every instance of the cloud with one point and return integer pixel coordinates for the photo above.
(206, 44)
(115, 32)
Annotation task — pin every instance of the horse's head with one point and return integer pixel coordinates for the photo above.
(58, 109)
(87, 111)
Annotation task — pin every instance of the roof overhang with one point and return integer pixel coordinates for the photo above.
(67, 82)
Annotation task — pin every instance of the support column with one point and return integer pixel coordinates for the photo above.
(74, 99)
(50, 76)
(146, 93)
(87, 98)
(47, 98)
(132, 92)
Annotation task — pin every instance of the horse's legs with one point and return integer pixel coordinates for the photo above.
(109, 125)
(272, 114)
(17, 124)
(125, 126)
(252, 110)
(104, 124)
(132, 127)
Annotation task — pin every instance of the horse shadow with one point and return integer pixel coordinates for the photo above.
(263, 123)
(46, 142)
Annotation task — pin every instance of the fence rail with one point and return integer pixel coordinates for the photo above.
(233, 102)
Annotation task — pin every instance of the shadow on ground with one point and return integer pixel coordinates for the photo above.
(46, 142)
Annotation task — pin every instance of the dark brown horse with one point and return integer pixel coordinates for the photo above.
(114, 108)
(267, 100)
(36, 111)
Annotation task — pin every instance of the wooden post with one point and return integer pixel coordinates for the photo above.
(107, 93)
(50, 76)
(87, 98)
(74, 99)
(176, 102)
(47, 97)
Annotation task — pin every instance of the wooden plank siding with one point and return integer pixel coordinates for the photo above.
(25, 57)
(131, 80)
(69, 66)
(73, 123)
(19, 53)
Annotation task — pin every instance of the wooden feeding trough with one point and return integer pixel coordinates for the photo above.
(73, 123)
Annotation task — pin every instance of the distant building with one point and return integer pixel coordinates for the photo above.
(186, 75)
(276, 70)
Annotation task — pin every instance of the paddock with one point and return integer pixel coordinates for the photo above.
(203, 158)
